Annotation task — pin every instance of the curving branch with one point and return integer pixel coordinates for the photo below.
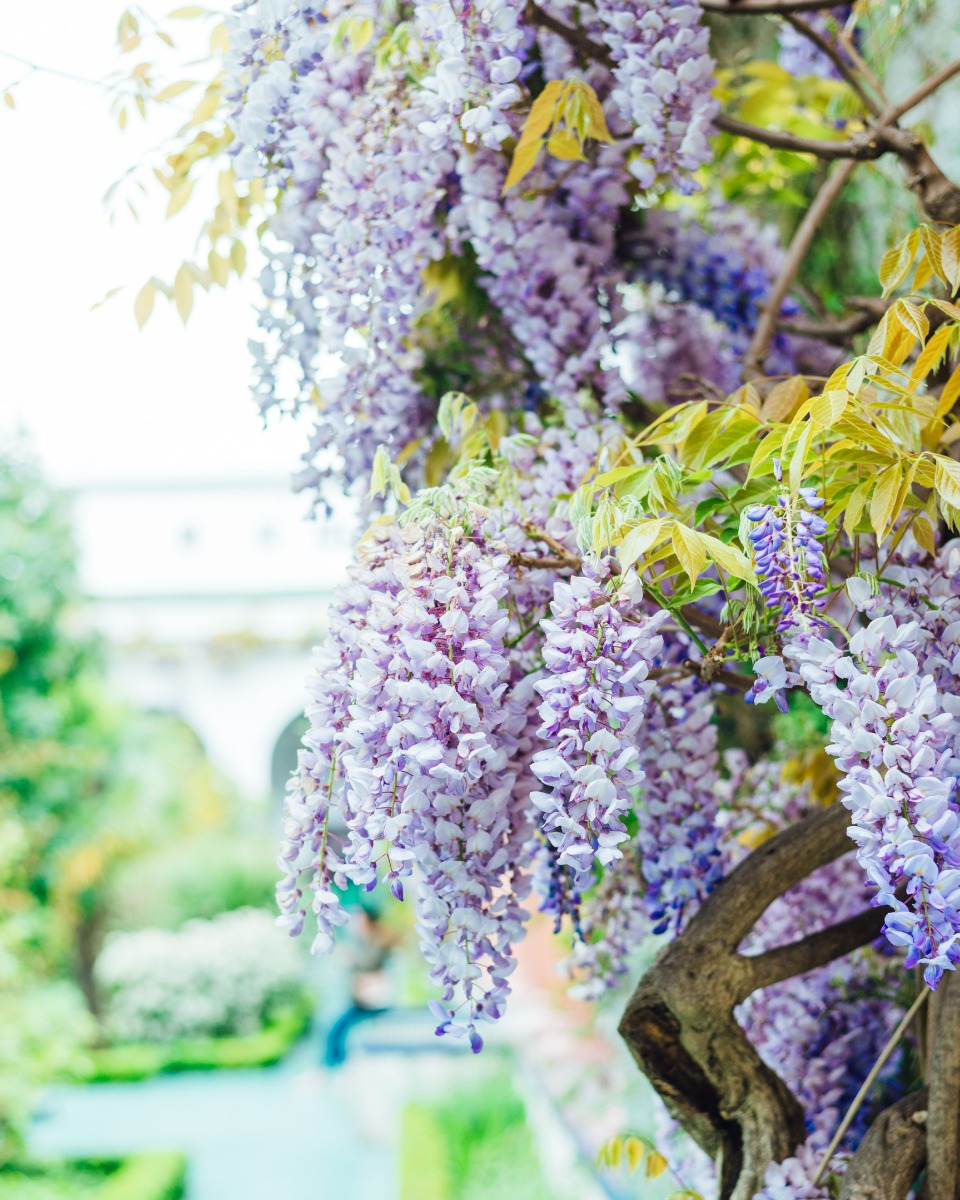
(892, 1153)
(679, 1023)
(814, 951)
(838, 58)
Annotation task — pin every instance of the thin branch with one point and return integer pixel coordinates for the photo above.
(576, 38)
(786, 961)
(767, 324)
(838, 332)
(937, 79)
(736, 8)
(892, 1042)
(41, 69)
(777, 139)
(837, 57)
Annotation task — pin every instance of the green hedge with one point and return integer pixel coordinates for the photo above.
(160, 1176)
(147, 1177)
(141, 1060)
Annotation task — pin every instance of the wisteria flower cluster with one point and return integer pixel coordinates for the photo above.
(894, 737)
(664, 81)
(594, 699)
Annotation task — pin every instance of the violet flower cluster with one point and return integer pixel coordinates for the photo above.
(477, 65)
(799, 55)
(678, 836)
(894, 737)
(598, 652)
(663, 85)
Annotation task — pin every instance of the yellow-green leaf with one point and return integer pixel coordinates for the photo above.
(798, 459)
(564, 145)
(638, 540)
(9, 100)
(635, 1152)
(731, 558)
(524, 160)
(932, 354)
(827, 409)
(656, 1164)
(854, 509)
(541, 113)
(767, 448)
(183, 291)
(179, 196)
(947, 480)
(949, 395)
(784, 399)
(884, 496)
(950, 256)
(896, 263)
(912, 318)
(688, 545)
(143, 305)
(172, 90)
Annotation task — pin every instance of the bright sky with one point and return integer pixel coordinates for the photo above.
(101, 400)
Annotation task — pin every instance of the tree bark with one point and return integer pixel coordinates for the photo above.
(679, 1023)
(943, 1122)
(892, 1153)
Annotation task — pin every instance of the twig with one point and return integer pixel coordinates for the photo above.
(892, 1043)
(836, 56)
(39, 68)
(767, 324)
(573, 37)
(892, 115)
(777, 139)
(736, 8)
(569, 559)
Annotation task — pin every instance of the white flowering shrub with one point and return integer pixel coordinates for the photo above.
(207, 979)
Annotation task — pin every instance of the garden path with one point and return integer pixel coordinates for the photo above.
(292, 1132)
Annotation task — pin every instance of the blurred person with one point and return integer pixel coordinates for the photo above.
(371, 986)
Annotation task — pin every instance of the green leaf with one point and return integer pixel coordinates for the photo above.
(799, 458)
(691, 552)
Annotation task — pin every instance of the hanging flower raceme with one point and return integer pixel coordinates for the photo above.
(894, 737)
(598, 651)
(477, 63)
(664, 81)
(790, 565)
(678, 837)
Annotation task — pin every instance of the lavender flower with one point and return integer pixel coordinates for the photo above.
(598, 655)
(894, 737)
(663, 76)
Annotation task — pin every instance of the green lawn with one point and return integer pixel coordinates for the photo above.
(143, 1177)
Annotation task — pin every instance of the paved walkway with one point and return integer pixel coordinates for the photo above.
(291, 1132)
